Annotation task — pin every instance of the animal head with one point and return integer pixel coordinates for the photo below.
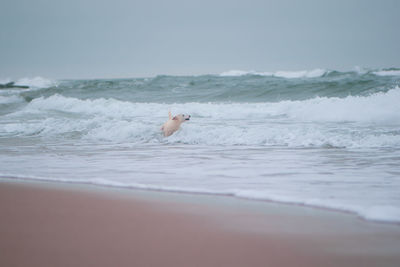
(181, 117)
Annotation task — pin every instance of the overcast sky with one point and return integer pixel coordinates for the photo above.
(97, 38)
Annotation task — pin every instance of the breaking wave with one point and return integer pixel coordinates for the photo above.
(387, 73)
(282, 74)
(218, 123)
(36, 82)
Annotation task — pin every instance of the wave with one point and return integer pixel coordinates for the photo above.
(281, 74)
(380, 107)
(10, 99)
(315, 73)
(318, 122)
(235, 86)
(387, 73)
(36, 82)
(236, 73)
(301, 74)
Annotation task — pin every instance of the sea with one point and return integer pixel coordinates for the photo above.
(321, 138)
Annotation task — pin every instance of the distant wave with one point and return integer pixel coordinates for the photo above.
(301, 74)
(282, 74)
(315, 73)
(229, 87)
(387, 73)
(35, 82)
(235, 73)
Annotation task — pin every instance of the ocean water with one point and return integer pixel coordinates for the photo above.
(320, 137)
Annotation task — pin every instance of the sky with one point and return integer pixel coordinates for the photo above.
(113, 39)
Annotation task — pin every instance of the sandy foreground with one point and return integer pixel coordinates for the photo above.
(43, 224)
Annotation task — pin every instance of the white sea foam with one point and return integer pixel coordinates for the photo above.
(234, 73)
(377, 108)
(385, 213)
(36, 82)
(310, 123)
(360, 70)
(110, 108)
(387, 73)
(282, 74)
(10, 99)
(381, 213)
(300, 74)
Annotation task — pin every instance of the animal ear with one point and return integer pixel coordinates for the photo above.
(169, 115)
(175, 118)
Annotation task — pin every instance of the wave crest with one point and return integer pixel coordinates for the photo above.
(36, 82)
(387, 73)
(281, 74)
(236, 73)
(308, 123)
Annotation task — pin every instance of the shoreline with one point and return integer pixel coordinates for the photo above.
(47, 224)
(111, 188)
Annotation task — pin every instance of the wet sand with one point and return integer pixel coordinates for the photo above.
(66, 225)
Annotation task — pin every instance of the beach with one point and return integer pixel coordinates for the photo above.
(55, 224)
(283, 150)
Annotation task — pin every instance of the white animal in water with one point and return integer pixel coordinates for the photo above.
(173, 123)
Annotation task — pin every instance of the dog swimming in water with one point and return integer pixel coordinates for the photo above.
(173, 123)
